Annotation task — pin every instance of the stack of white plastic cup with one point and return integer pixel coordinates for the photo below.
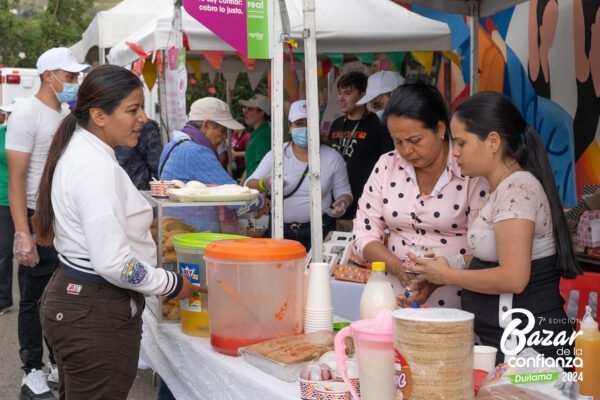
(318, 310)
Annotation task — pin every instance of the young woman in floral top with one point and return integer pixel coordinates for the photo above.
(519, 237)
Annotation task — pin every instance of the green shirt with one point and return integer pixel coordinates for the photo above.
(258, 146)
(3, 169)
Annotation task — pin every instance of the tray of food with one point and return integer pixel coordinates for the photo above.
(284, 357)
(223, 193)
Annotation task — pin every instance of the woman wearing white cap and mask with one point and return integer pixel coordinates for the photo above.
(336, 194)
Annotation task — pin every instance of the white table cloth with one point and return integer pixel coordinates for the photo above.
(194, 371)
(346, 299)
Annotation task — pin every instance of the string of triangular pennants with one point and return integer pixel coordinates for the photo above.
(150, 65)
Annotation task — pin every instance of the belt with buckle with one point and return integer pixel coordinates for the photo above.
(297, 225)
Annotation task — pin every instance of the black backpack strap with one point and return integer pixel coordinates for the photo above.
(162, 166)
(298, 185)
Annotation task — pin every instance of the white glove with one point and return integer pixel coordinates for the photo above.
(25, 250)
(338, 208)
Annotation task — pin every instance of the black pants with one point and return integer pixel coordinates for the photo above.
(32, 281)
(95, 335)
(7, 233)
(301, 231)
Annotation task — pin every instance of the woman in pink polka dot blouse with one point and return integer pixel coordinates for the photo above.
(417, 192)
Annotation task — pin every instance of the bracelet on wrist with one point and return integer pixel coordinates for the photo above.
(261, 184)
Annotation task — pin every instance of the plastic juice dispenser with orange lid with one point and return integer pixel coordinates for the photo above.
(256, 291)
(587, 347)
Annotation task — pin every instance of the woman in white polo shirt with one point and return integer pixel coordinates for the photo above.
(91, 308)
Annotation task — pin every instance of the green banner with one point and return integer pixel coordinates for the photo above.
(336, 59)
(258, 28)
(541, 377)
(397, 59)
(365, 58)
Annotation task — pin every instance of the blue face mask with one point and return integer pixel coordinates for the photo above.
(69, 92)
(300, 136)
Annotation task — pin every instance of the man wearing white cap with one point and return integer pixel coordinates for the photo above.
(336, 194)
(257, 111)
(358, 136)
(379, 90)
(30, 131)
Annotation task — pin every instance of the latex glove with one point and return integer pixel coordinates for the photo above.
(252, 205)
(338, 208)
(25, 250)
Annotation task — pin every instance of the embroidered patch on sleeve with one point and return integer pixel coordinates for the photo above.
(134, 272)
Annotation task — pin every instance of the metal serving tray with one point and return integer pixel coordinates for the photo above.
(285, 372)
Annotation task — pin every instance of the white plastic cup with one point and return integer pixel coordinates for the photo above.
(319, 322)
(484, 358)
(328, 317)
(325, 314)
(324, 311)
(317, 329)
(318, 293)
(318, 319)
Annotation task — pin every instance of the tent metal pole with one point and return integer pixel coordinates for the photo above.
(474, 27)
(162, 100)
(101, 56)
(178, 24)
(277, 122)
(314, 143)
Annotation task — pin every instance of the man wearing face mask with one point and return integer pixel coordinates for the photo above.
(29, 134)
(336, 194)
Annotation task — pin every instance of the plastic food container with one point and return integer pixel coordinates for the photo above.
(190, 262)
(256, 291)
(159, 189)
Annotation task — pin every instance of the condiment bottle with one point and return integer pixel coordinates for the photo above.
(587, 347)
(378, 293)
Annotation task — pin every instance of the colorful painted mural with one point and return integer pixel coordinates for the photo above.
(545, 55)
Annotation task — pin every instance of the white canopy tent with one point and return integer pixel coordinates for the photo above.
(110, 26)
(340, 26)
(343, 26)
(475, 9)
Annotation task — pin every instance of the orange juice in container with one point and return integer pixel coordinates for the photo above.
(190, 262)
(587, 347)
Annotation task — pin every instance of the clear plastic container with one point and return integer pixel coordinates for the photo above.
(256, 291)
(190, 262)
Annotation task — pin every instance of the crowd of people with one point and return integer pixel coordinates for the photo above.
(467, 201)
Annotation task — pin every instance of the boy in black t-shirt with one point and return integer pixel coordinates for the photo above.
(358, 136)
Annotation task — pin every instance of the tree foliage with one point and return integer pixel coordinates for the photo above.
(25, 33)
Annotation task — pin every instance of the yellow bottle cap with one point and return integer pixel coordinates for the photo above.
(378, 266)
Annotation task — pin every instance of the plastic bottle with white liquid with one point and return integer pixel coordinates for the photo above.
(378, 293)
